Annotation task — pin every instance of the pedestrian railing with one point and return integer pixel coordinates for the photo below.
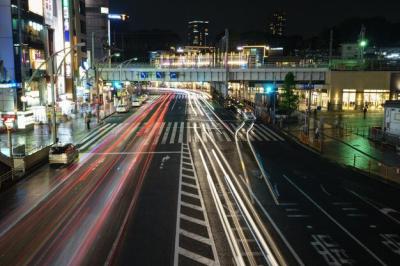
(374, 167)
(356, 160)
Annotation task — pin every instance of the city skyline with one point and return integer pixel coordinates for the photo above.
(301, 18)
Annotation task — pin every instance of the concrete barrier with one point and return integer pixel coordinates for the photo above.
(25, 163)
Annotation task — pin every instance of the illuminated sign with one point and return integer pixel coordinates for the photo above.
(67, 44)
(104, 10)
(36, 6)
(173, 75)
(144, 75)
(160, 75)
(10, 85)
(48, 11)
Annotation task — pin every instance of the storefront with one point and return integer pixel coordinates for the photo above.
(375, 99)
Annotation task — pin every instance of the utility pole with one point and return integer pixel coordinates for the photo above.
(331, 47)
(226, 62)
(71, 38)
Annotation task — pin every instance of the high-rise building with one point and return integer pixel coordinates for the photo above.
(97, 27)
(25, 43)
(197, 34)
(277, 23)
(31, 31)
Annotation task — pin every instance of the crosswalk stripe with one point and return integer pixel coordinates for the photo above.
(210, 131)
(188, 136)
(172, 140)
(273, 133)
(266, 133)
(182, 127)
(94, 132)
(255, 135)
(166, 133)
(97, 137)
(196, 257)
(225, 134)
(203, 132)
(265, 137)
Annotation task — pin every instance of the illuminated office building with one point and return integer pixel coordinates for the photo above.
(277, 24)
(197, 34)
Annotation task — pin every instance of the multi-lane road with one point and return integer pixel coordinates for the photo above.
(180, 181)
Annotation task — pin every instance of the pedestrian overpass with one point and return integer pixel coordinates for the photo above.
(303, 75)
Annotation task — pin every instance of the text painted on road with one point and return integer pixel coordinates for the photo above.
(332, 253)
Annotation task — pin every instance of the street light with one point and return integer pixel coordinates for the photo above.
(50, 60)
(97, 74)
(53, 94)
(9, 125)
(121, 17)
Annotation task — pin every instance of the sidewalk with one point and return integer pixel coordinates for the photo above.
(67, 132)
(347, 147)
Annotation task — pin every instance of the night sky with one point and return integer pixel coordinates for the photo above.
(305, 17)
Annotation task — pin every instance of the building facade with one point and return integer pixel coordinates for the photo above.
(277, 23)
(198, 34)
(31, 32)
(97, 27)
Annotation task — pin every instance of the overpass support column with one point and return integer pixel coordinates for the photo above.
(221, 88)
(335, 99)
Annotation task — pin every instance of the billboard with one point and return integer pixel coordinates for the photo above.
(36, 6)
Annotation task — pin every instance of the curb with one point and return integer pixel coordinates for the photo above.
(344, 166)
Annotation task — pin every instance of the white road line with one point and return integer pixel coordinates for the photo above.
(193, 220)
(166, 133)
(381, 210)
(209, 130)
(243, 131)
(188, 136)
(196, 257)
(203, 132)
(178, 212)
(188, 176)
(182, 127)
(172, 140)
(272, 132)
(190, 195)
(226, 135)
(189, 185)
(199, 238)
(335, 221)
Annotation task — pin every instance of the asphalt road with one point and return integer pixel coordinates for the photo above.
(175, 183)
(324, 214)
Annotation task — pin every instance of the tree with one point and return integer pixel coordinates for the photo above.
(290, 100)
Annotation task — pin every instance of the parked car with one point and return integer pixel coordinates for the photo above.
(136, 102)
(249, 116)
(122, 108)
(63, 154)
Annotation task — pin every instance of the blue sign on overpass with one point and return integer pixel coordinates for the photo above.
(144, 75)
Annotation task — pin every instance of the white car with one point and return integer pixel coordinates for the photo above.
(122, 108)
(63, 154)
(136, 103)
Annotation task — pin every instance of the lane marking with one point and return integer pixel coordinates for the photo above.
(335, 221)
(166, 134)
(182, 127)
(172, 140)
